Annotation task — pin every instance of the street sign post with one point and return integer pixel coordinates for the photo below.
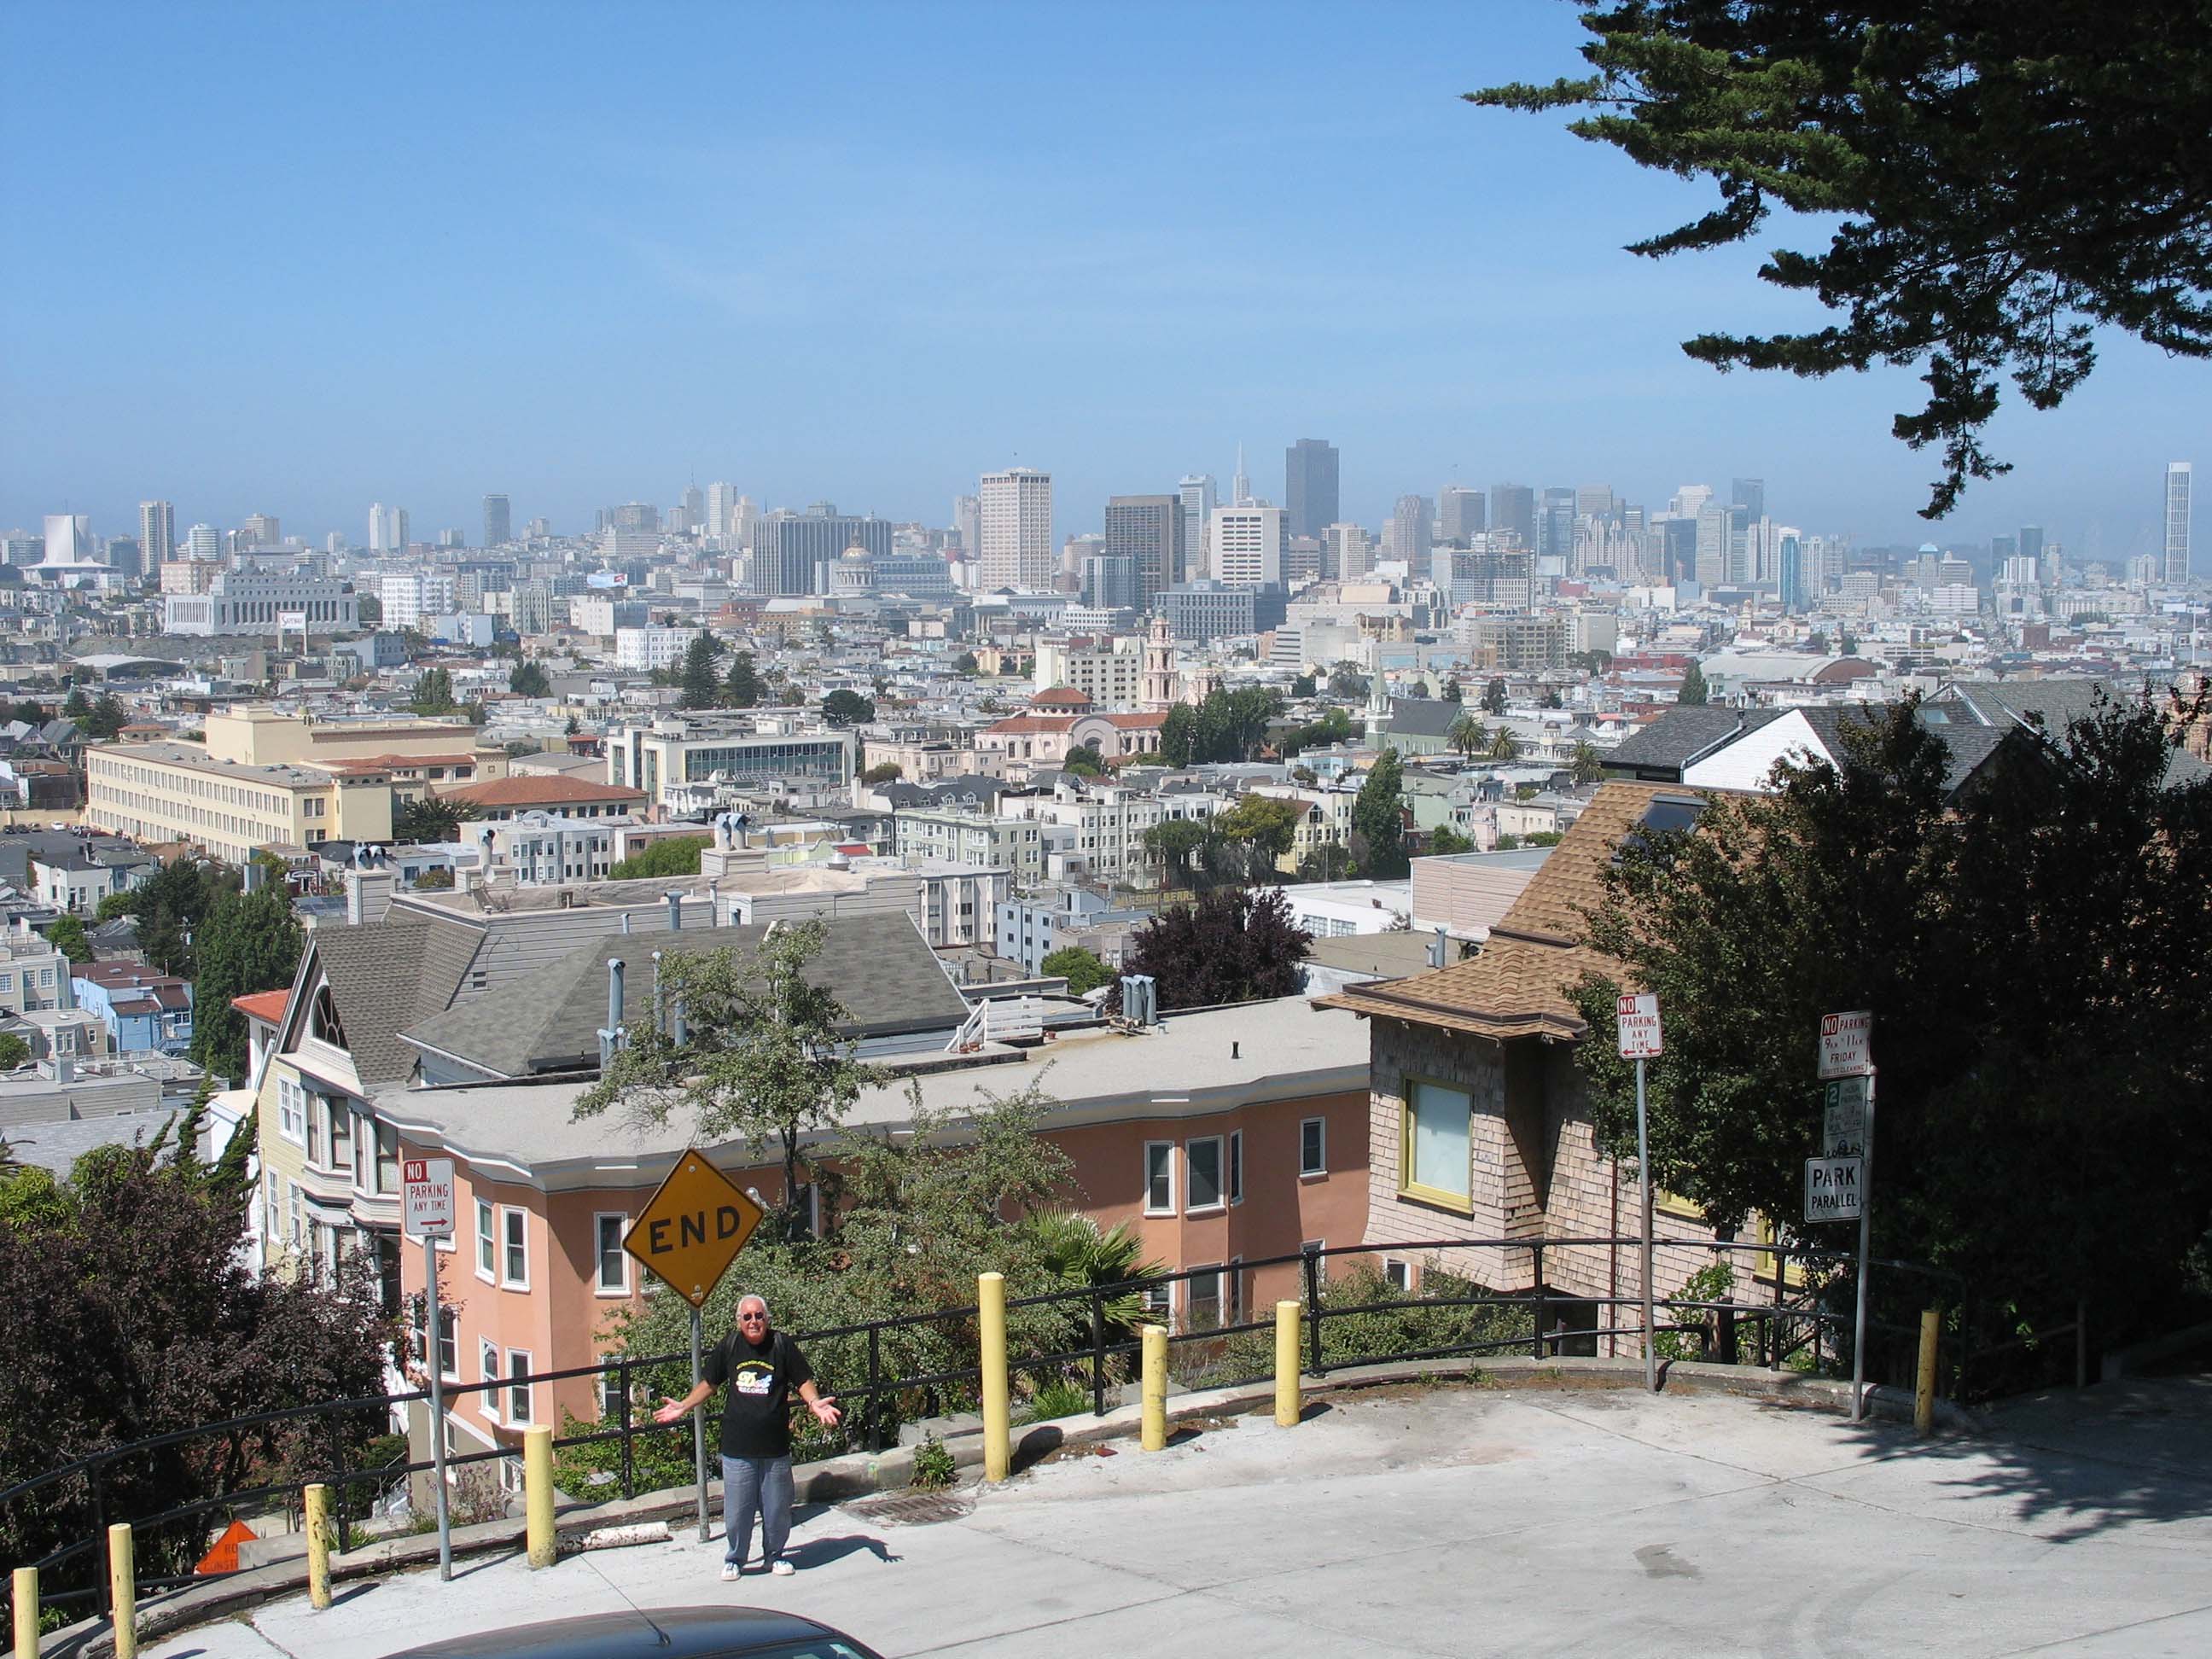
(1833, 1188)
(1636, 1015)
(426, 1211)
(1847, 1051)
(690, 1231)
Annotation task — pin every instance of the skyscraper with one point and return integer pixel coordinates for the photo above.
(1555, 528)
(1412, 531)
(1197, 492)
(1346, 558)
(721, 503)
(1750, 495)
(387, 528)
(1513, 507)
(793, 553)
(695, 509)
(157, 530)
(1014, 524)
(1248, 546)
(968, 520)
(1309, 485)
(1792, 577)
(1240, 486)
(69, 538)
(499, 522)
(204, 541)
(2176, 521)
(1460, 515)
(260, 530)
(1147, 529)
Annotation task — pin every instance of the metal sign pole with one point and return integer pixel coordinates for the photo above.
(1866, 1217)
(437, 1408)
(1644, 1207)
(698, 1429)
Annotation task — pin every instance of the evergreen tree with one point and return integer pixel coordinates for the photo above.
(250, 942)
(1454, 692)
(67, 935)
(742, 689)
(1378, 819)
(434, 693)
(529, 679)
(1692, 693)
(841, 709)
(701, 688)
(1493, 696)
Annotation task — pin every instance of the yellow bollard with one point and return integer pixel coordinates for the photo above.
(538, 1494)
(1156, 1388)
(1923, 1393)
(1288, 1401)
(122, 1590)
(991, 1325)
(318, 1546)
(27, 1612)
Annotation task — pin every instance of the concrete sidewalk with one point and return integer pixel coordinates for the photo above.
(1449, 1521)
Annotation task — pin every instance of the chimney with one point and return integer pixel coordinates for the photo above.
(675, 911)
(625, 921)
(1437, 949)
(614, 993)
(369, 895)
(659, 1014)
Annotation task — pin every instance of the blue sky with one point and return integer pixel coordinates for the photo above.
(296, 259)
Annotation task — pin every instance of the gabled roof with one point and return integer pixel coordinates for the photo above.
(879, 966)
(1682, 734)
(1518, 986)
(1424, 717)
(386, 975)
(267, 1006)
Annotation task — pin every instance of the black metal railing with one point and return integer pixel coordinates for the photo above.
(878, 1399)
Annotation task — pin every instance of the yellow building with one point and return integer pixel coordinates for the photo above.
(266, 779)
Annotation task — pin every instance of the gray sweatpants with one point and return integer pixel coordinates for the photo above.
(750, 1484)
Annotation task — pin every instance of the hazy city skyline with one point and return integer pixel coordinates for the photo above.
(454, 263)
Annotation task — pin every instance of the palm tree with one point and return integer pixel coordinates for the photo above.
(1504, 746)
(1588, 765)
(1467, 735)
(1074, 1250)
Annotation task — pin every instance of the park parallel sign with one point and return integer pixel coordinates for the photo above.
(693, 1228)
(1833, 1188)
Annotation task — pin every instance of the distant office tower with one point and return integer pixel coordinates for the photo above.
(1678, 543)
(1460, 515)
(641, 518)
(124, 555)
(499, 522)
(1345, 558)
(721, 506)
(69, 538)
(694, 508)
(157, 530)
(1513, 507)
(1197, 493)
(387, 529)
(1792, 581)
(1309, 485)
(1750, 495)
(1248, 546)
(1014, 525)
(1147, 529)
(1413, 530)
(967, 521)
(1594, 502)
(204, 541)
(1555, 523)
(260, 530)
(1240, 486)
(795, 552)
(2176, 521)
(1110, 582)
(1724, 545)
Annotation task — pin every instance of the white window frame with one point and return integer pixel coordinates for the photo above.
(519, 1363)
(1397, 1274)
(1220, 1201)
(1235, 1173)
(487, 1241)
(291, 1111)
(509, 1245)
(1166, 1149)
(488, 1371)
(1190, 1301)
(599, 1220)
(1320, 1125)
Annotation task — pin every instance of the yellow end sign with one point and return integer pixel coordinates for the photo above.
(694, 1228)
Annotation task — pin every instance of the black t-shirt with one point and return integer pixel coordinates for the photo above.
(756, 1417)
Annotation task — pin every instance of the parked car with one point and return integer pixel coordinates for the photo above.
(655, 1633)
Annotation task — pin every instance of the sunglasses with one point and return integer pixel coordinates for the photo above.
(752, 1319)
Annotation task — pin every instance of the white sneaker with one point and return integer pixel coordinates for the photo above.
(781, 1568)
(729, 1572)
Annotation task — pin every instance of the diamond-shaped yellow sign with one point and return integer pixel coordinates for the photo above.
(694, 1228)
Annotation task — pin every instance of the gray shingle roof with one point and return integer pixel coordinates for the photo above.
(1686, 732)
(879, 966)
(1425, 717)
(386, 975)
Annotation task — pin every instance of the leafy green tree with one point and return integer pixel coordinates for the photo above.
(169, 905)
(1178, 735)
(1975, 225)
(369, 607)
(965, 664)
(741, 687)
(1552, 699)
(1302, 686)
(1692, 693)
(67, 935)
(1333, 726)
(1378, 819)
(434, 693)
(1454, 691)
(1444, 840)
(764, 1061)
(1085, 760)
(1586, 764)
(2051, 1071)
(1266, 824)
(884, 772)
(702, 684)
(250, 942)
(1493, 696)
(432, 817)
(1083, 969)
(106, 719)
(841, 709)
(1346, 682)
(529, 679)
(1848, 643)
(14, 1051)
(674, 855)
(78, 707)
(1175, 845)
(1468, 735)
(1231, 945)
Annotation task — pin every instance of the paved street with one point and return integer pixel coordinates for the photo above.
(1459, 1521)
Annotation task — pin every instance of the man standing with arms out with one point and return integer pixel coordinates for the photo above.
(762, 1366)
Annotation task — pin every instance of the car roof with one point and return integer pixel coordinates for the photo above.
(645, 1633)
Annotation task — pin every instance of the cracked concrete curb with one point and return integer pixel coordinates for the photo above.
(858, 1474)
